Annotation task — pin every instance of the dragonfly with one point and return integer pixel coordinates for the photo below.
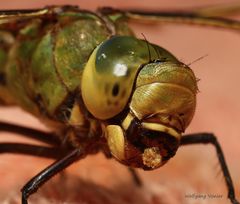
(100, 89)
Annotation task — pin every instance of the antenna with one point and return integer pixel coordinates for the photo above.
(198, 59)
(149, 53)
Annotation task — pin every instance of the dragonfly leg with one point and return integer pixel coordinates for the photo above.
(59, 165)
(48, 138)
(137, 180)
(33, 150)
(208, 138)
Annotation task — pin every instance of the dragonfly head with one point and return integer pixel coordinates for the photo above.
(144, 97)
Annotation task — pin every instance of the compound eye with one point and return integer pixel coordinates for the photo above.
(109, 75)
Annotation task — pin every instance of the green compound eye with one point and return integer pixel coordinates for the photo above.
(111, 70)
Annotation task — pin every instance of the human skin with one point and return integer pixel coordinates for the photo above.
(194, 170)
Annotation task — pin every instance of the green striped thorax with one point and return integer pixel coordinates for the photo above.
(152, 93)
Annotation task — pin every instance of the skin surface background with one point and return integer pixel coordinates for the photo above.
(194, 170)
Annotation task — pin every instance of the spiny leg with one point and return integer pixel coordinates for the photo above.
(48, 138)
(205, 138)
(137, 180)
(33, 150)
(55, 152)
(58, 166)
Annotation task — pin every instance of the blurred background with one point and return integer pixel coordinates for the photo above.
(194, 170)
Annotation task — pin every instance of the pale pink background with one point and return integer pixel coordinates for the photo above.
(194, 169)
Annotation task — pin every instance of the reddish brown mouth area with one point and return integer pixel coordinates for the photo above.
(150, 149)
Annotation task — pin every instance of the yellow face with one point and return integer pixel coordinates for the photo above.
(161, 107)
(145, 101)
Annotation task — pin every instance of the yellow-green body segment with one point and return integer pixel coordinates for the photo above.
(124, 96)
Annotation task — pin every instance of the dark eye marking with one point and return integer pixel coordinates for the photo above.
(115, 89)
